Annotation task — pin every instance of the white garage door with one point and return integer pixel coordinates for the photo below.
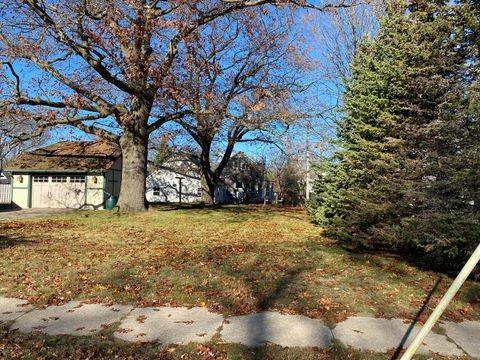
(58, 191)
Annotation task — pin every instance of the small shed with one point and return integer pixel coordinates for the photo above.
(5, 189)
(68, 174)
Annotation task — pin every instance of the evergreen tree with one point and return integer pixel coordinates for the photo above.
(409, 122)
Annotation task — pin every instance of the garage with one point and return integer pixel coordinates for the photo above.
(68, 175)
(58, 191)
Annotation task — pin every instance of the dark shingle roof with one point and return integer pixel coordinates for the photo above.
(68, 156)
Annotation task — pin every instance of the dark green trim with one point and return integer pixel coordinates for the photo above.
(52, 171)
(104, 186)
(86, 192)
(29, 196)
(11, 190)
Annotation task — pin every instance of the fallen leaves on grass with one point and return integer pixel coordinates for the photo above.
(233, 260)
(44, 225)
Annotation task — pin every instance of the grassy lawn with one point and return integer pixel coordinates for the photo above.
(235, 260)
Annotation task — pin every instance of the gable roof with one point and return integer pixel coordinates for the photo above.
(68, 156)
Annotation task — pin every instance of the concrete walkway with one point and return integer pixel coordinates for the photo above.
(16, 214)
(180, 325)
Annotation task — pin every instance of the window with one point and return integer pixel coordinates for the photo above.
(40, 179)
(77, 179)
(59, 179)
(156, 191)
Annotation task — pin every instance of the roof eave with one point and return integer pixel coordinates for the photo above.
(55, 171)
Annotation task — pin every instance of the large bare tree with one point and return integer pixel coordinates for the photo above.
(240, 78)
(11, 144)
(107, 67)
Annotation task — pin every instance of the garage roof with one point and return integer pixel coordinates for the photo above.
(68, 156)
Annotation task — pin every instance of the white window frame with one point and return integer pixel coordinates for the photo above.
(59, 179)
(77, 179)
(40, 179)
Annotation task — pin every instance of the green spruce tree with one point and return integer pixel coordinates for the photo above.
(398, 171)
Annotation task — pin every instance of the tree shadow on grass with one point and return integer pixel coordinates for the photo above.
(383, 256)
(10, 241)
(163, 207)
(237, 213)
(265, 301)
(266, 297)
(421, 262)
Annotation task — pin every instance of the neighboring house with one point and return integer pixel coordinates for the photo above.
(242, 181)
(68, 174)
(163, 185)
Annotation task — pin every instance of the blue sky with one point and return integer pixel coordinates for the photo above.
(312, 98)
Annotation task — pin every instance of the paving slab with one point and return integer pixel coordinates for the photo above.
(466, 334)
(73, 318)
(381, 335)
(11, 308)
(270, 327)
(167, 325)
(183, 325)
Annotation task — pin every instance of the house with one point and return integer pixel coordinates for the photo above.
(242, 181)
(179, 179)
(68, 174)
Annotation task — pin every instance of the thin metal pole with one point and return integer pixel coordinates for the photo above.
(435, 315)
(179, 189)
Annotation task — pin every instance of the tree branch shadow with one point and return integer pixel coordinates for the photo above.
(265, 300)
(10, 241)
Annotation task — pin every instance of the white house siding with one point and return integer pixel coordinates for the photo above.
(20, 190)
(5, 193)
(95, 185)
(163, 186)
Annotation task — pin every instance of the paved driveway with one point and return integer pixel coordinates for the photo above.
(15, 214)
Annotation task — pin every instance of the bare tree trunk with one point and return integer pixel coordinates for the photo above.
(207, 176)
(134, 165)
(134, 145)
(208, 188)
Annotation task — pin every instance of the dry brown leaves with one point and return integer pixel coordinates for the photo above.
(44, 225)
